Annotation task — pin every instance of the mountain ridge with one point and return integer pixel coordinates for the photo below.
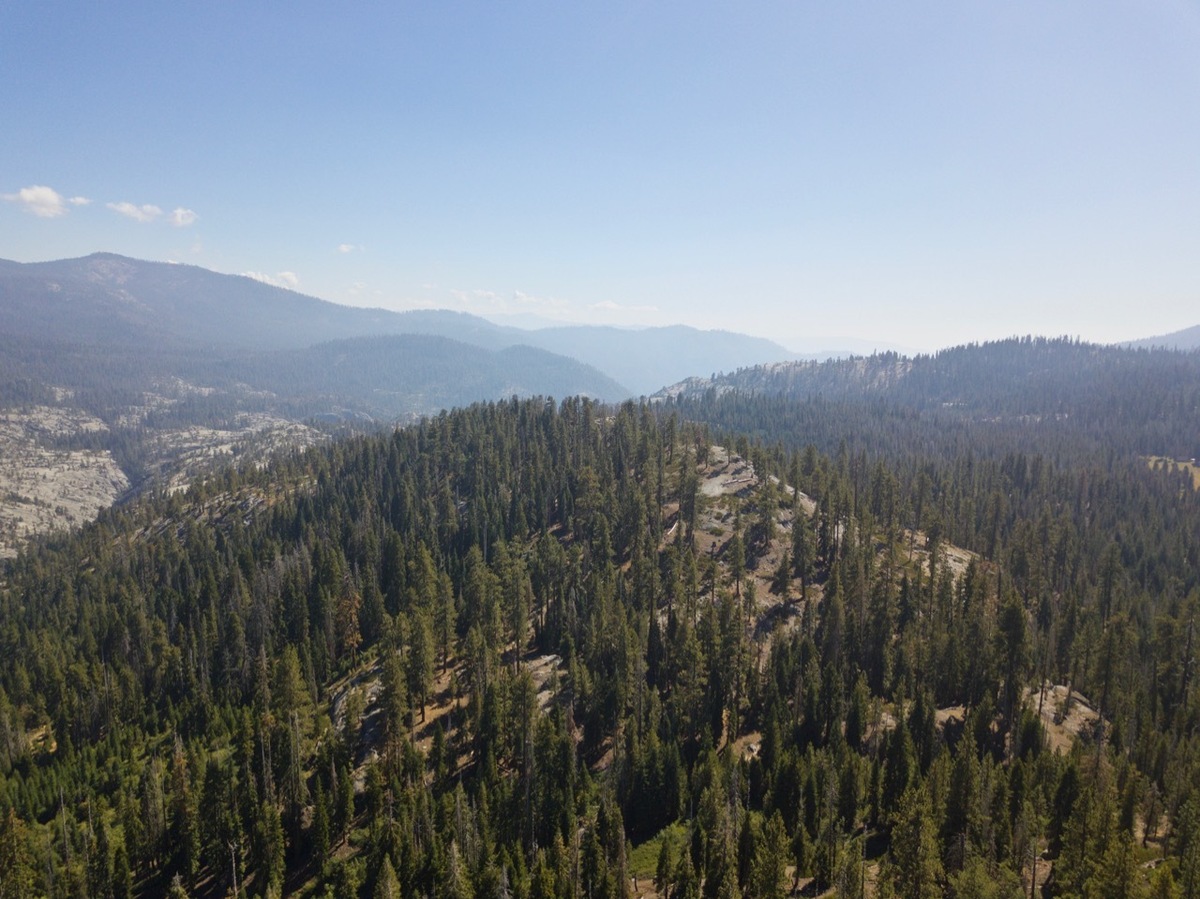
(109, 298)
(1183, 339)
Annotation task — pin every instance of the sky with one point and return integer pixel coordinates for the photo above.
(916, 174)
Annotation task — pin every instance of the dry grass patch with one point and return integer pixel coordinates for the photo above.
(1161, 463)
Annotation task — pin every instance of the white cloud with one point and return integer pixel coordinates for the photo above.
(344, 248)
(610, 306)
(544, 305)
(181, 217)
(146, 213)
(44, 202)
(474, 300)
(290, 280)
(516, 303)
(80, 201)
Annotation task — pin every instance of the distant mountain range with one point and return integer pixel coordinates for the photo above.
(1026, 376)
(990, 400)
(121, 303)
(1187, 339)
(1063, 384)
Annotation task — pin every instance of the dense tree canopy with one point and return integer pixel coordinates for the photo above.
(493, 652)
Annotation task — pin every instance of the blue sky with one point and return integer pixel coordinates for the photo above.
(918, 174)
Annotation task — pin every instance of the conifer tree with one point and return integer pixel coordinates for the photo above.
(17, 874)
(916, 867)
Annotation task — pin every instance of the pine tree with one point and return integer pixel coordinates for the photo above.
(184, 830)
(17, 873)
(664, 871)
(419, 669)
(768, 878)
(917, 868)
(387, 885)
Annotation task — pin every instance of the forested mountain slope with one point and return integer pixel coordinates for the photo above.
(1187, 339)
(1022, 392)
(535, 650)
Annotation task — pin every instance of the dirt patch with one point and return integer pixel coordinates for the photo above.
(747, 746)
(545, 672)
(729, 475)
(1170, 466)
(953, 715)
(954, 557)
(445, 701)
(957, 558)
(1063, 724)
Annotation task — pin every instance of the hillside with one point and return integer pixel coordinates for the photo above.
(159, 418)
(646, 359)
(179, 367)
(403, 376)
(453, 659)
(110, 324)
(1187, 339)
(998, 395)
(107, 300)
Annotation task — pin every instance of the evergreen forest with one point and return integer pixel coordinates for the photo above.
(743, 643)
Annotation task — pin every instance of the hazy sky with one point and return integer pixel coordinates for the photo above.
(913, 173)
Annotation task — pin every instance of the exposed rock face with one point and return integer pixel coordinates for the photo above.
(44, 487)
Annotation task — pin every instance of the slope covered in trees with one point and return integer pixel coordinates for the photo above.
(1098, 398)
(513, 650)
(166, 355)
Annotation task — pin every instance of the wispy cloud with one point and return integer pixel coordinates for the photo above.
(145, 213)
(524, 308)
(544, 305)
(359, 290)
(610, 306)
(345, 248)
(491, 302)
(44, 202)
(476, 300)
(290, 280)
(181, 217)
